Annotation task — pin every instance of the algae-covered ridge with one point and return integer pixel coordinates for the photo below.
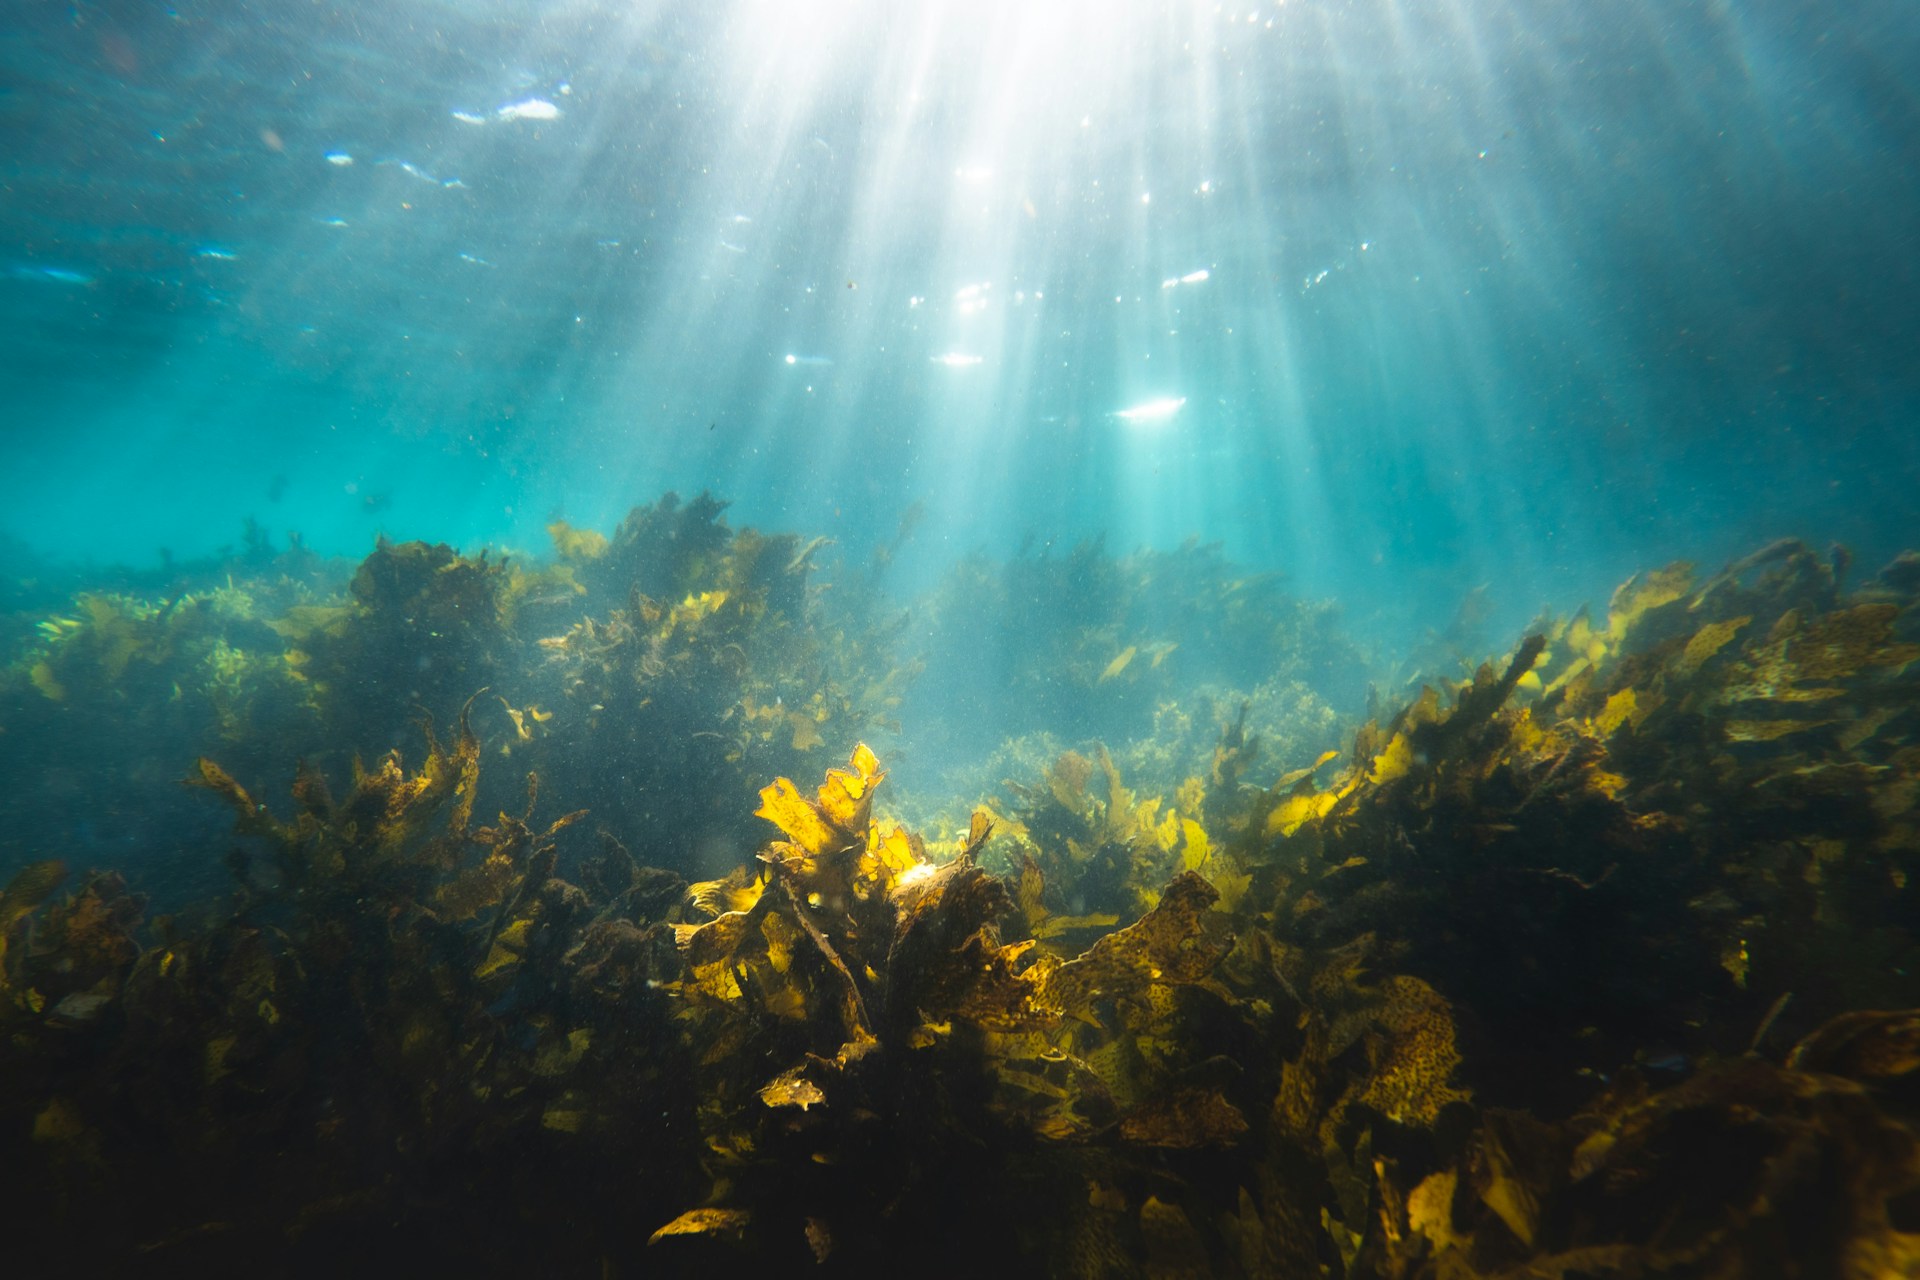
(1596, 962)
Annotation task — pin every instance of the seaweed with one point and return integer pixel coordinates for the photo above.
(668, 711)
(1147, 652)
(1596, 960)
(881, 975)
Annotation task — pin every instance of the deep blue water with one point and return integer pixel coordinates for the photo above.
(1520, 295)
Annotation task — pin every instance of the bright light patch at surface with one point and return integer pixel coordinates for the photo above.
(1158, 410)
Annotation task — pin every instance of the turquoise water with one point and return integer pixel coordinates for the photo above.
(1435, 296)
(1162, 450)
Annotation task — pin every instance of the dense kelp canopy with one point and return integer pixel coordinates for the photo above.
(566, 925)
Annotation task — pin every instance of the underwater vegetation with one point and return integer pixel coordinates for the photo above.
(1598, 961)
(1151, 652)
(658, 676)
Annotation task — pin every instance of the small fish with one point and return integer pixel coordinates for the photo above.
(216, 252)
(1119, 664)
(413, 170)
(467, 117)
(339, 159)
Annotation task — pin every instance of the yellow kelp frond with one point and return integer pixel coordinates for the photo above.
(525, 720)
(403, 805)
(847, 794)
(1297, 776)
(1042, 923)
(833, 820)
(1307, 805)
(979, 830)
(390, 817)
(302, 622)
(574, 544)
(702, 1222)
(1174, 943)
(715, 941)
(829, 843)
(1705, 643)
(945, 959)
(1808, 660)
(250, 816)
(1412, 1065)
(802, 819)
(1102, 852)
(1641, 595)
(893, 858)
(735, 892)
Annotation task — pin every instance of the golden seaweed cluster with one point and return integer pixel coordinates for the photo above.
(1562, 920)
(1598, 962)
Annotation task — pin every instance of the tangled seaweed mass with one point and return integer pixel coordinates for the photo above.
(1596, 962)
